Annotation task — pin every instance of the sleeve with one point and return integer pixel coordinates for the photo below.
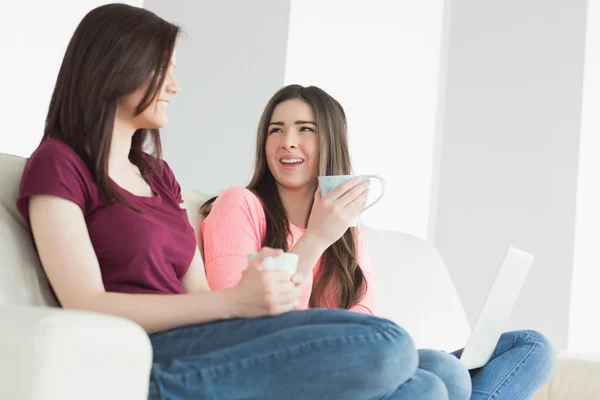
(233, 229)
(171, 182)
(54, 169)
(367, 304)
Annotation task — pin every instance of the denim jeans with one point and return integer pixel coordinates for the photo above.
(323, 354)
(310, 354)
(521, 364)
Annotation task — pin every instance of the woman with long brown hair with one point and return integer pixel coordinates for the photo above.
(283, 191)
(107, 220)
(302, 134)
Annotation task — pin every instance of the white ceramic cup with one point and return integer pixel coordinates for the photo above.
(286, 262)
(328, 183)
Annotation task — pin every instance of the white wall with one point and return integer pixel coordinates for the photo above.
(508, 168)
(584, 328)
(34, 35)
(509, 123)
(382, 63)
(229, 63)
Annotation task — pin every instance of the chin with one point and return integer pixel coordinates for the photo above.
(157, 125)
(151, 124)
(288, 184)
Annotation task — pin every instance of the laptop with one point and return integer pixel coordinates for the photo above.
(497, 308)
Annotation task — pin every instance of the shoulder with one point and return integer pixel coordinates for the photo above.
(54, 153)
(54, 160)
(55, 169)
(236, 199)
(239, 195)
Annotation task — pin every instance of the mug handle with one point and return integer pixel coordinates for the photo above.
(382, 181)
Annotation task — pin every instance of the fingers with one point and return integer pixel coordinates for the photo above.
(354, 194)
(357, 205)
(289, 296)
(282, 297)
(298, 279)
(284, 308)
(269, 252)
(318, 194)
(341, 189)
(277, 276)
(257, 262)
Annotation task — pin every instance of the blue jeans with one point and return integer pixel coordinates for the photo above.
(314, 354)
(521, 364)
(311, 354)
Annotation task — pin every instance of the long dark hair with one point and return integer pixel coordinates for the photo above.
(115, 50)
(340, 279)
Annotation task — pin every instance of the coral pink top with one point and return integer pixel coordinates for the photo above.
(236, 227)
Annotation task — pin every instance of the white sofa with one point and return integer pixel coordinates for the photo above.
(47, 353)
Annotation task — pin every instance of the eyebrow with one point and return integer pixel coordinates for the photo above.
(300, 122)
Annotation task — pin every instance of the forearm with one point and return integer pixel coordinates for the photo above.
(309, 249)
(159, 312)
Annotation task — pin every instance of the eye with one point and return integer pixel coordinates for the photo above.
(275, 130)
(306, 129)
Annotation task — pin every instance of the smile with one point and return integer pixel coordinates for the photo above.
(291, 161)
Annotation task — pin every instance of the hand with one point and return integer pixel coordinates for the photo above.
(332, 214)
(262, 293)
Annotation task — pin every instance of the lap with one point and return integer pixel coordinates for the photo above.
(521, 363)
(297, 355)
(202, 339)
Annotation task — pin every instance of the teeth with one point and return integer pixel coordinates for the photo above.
(292, 160)
(164, 102)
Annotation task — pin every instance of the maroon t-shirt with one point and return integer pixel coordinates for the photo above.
(147, 252)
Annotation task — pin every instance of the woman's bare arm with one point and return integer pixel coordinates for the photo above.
(66, 252)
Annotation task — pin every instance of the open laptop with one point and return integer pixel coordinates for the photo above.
(497, 308)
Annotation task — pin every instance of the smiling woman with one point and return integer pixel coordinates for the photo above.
(301, 135)
(292, 146)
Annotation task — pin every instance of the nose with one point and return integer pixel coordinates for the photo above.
(290, 140)
(172, 87)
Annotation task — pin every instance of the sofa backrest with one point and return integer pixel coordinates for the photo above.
(413, 286)
(22, 279)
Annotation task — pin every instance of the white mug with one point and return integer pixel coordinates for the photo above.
(285, 262)
(330, 182)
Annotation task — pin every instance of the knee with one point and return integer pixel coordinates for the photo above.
(396, 354)
(449, 369)
(429, 387)
(542, 354)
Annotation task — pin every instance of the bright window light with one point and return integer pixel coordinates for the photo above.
(382, 62)
(584, 328)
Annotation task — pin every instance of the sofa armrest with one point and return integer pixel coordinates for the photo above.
(50, 354)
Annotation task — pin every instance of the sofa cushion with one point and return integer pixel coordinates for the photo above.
(22, 279)
(415, 290)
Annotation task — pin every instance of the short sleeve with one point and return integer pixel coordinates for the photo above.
(233, 229)
(54, 169)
